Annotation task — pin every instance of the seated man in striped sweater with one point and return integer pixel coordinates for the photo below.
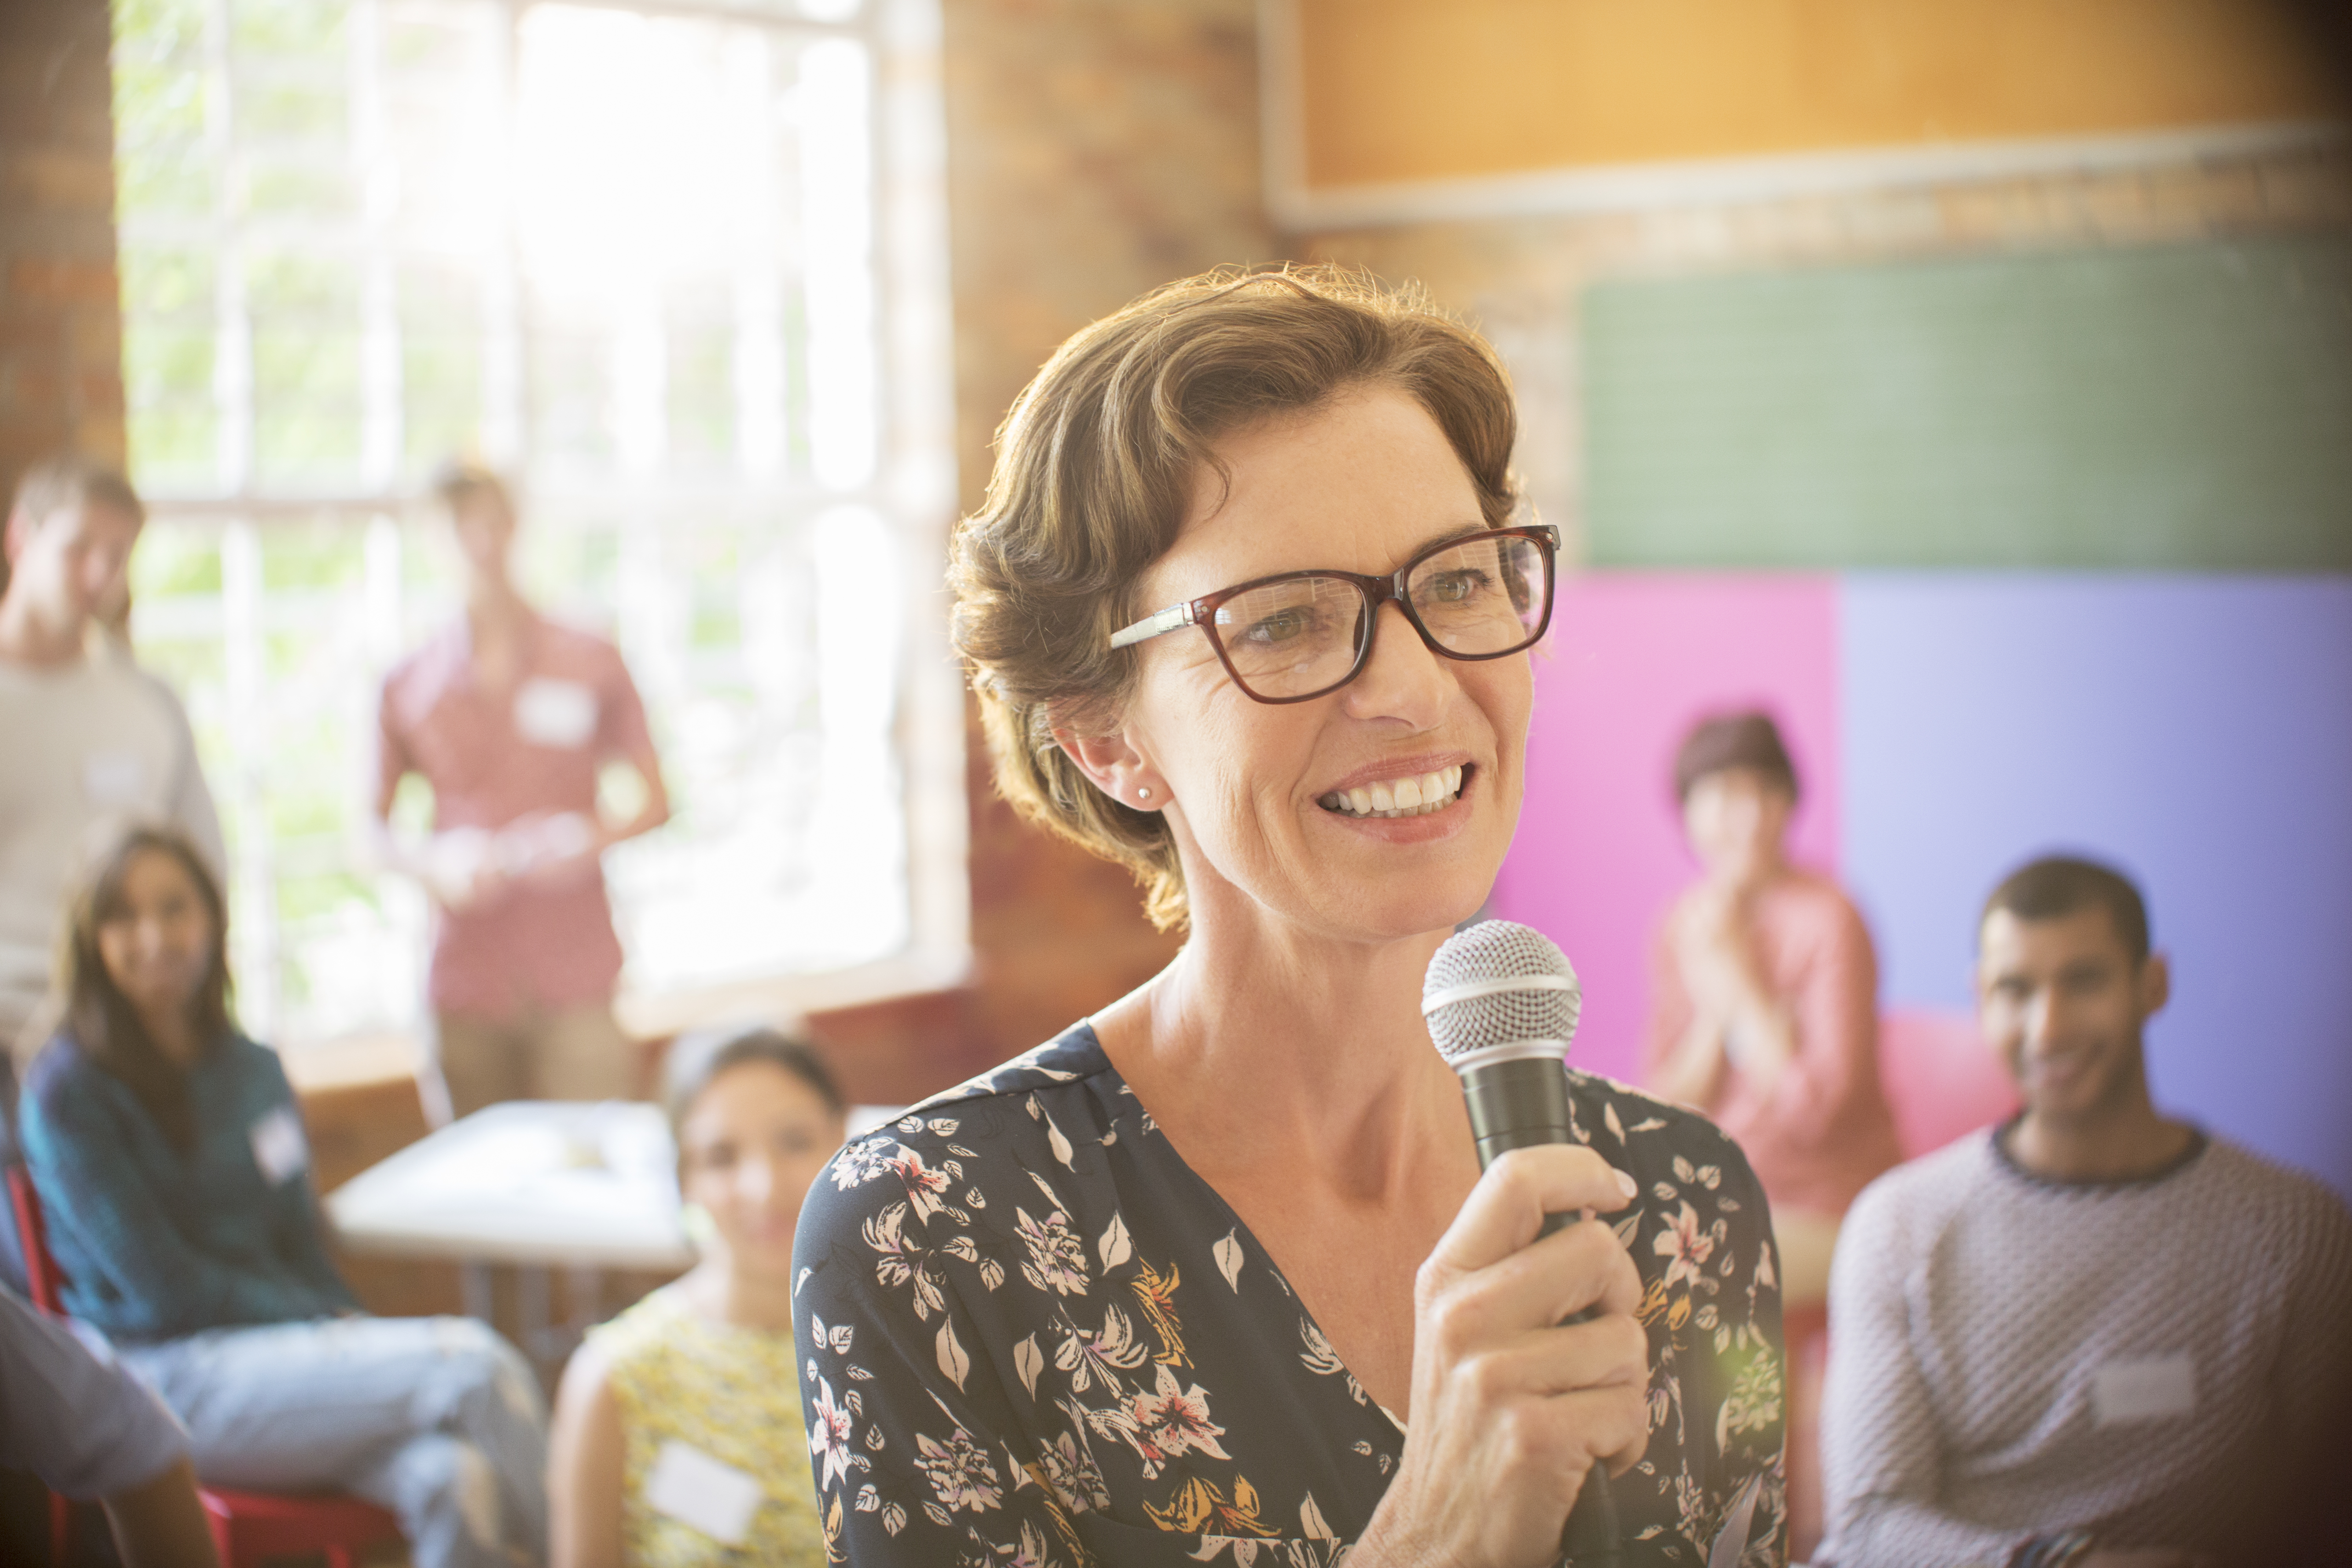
(2095, 1334)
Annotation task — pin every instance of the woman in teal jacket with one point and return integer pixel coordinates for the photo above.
(171, 1161)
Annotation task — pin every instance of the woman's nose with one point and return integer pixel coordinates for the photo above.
(757, 1179)
(1400, 679)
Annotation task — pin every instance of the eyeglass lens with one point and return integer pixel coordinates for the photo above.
(1295, 637)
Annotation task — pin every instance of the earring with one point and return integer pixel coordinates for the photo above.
(1142, 794)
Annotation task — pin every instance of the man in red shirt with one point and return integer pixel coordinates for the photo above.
(509, 716)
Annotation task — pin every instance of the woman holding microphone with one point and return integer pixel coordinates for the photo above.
(1215, 1276)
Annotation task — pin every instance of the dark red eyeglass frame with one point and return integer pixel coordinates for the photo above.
(1378, 591)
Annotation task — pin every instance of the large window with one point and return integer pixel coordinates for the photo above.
(679, 269)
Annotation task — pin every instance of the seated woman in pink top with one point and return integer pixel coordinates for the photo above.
(1765, 1012)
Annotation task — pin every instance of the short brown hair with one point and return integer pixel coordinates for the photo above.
(1748, 740)
(2056, 886)
(695, 1061)
(459, 479)
(101, 1020)
(53, 484)
(1093, 469)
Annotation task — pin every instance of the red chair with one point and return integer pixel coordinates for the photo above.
(1941, 1081)
(246, 1526)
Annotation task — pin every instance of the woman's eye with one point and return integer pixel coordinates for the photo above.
(1281, 627)
(1455, 587)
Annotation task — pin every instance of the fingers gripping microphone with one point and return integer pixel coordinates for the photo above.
(1502, 1002)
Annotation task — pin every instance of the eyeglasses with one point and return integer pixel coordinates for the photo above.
(1299, 635)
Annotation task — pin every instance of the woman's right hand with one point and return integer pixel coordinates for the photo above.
(1511, 1409)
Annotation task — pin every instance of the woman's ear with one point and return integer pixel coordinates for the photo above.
(1114, 766)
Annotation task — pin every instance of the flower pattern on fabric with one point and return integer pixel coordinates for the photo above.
(1031, 1334)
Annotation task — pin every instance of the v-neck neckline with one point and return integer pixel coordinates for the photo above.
(1118, 1085)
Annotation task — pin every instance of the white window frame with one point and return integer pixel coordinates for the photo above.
(912, 488)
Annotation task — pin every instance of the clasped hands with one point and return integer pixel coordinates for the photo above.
(466, 867)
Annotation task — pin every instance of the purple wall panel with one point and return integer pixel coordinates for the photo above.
(2196, 730)
(1634, 658)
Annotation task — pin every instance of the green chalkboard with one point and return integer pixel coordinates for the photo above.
(2184, 407)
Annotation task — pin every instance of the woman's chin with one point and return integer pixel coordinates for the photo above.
(1399, 907)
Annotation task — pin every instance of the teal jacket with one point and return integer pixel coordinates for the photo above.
(156, 1244)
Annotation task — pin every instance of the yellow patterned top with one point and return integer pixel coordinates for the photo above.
(734, 1394)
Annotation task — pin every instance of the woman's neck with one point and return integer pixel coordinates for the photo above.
(721, 1293)
(173, 1035)
(1274, 1040)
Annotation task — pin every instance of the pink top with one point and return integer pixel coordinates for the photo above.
(492, 759)
(1825, 1131)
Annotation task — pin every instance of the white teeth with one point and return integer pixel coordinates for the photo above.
(1398, 797)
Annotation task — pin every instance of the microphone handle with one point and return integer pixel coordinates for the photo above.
(1517, 1105)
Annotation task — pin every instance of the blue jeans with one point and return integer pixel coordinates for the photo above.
(437, 1419)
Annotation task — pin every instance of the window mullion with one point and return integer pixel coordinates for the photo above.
(377, 176)
(253, 874)
(506, 387)
(233, 332)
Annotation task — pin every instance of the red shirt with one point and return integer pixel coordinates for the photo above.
(493, 758)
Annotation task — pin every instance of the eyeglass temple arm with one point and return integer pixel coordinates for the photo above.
(1153, 626)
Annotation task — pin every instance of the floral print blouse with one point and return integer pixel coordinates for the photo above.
(1029, 1335)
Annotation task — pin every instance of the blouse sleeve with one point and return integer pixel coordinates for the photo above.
(1836, 1014)
(1701, 1239)
(911, 1428)
(1669, 1002)
(72, 1415)
(392, 761)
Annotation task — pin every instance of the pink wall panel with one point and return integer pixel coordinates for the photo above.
(1633, 660)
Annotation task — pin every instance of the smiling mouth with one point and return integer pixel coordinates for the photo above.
(1416, 797)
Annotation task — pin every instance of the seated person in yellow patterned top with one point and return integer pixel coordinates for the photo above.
(678, 1437)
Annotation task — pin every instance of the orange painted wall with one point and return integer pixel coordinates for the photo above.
(1427, 90)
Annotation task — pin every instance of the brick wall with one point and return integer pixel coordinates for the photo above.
(1520, 278)
(1095, 148)
(60, 315)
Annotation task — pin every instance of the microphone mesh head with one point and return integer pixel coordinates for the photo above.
(1494, 950)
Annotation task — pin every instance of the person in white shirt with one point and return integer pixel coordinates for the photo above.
(2096, 1336)
(91, 741)
(77, 1418)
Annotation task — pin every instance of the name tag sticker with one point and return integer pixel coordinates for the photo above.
(696, 1490)
(2147, 1388)
(112, 778)
(559, 713)
(278, 1146)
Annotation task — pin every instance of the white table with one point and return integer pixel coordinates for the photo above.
(538, 1185)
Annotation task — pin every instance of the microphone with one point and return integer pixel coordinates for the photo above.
(1501, 1002)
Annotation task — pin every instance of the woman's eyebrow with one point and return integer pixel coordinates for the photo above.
(1450, 535)
(1454, 535)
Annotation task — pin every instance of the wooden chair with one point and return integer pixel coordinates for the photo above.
(246, 1526)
